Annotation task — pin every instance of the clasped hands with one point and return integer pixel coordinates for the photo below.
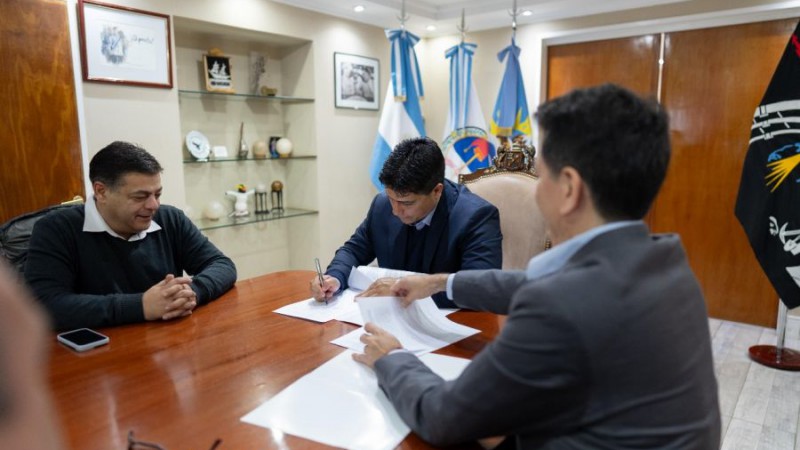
(169, 299)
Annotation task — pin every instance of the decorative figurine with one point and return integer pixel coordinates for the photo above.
(261, 199)
(240, 195)
(242, 144)
(273, 151)
(277, 191)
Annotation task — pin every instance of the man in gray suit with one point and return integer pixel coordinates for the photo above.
(607, 342)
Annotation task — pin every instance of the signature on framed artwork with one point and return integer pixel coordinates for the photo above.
(124, 45)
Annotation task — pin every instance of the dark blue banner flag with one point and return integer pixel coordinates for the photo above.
(768, 204)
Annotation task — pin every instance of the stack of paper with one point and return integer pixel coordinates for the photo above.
(343, 306)
(421, 328)
(340, 404)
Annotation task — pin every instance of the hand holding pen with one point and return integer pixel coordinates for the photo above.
(323, 287)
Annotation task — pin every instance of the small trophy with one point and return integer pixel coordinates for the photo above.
(277, 197)
(242, 144)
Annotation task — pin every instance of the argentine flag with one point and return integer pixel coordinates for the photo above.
(510, 117)
(465, 144)
(401, 117)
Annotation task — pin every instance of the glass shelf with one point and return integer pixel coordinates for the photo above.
(281, 98)
(226, 160)
(225, 221)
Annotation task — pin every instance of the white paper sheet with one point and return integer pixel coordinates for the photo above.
(343, 307)
(340, 404)
(421, 327)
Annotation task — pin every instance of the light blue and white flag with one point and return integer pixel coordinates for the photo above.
(465, 144)
(510, 117)
(401, 117)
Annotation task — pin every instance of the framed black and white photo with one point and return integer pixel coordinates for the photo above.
(218, 73)
(356, 81)
(124, 45)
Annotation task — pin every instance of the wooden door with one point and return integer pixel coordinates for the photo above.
(630, 62)
(41, 161)
(713, 81)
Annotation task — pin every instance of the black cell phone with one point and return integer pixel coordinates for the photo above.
(82, 339)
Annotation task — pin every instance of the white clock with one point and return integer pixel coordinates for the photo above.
(198, 145)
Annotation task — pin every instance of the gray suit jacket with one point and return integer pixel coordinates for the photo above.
(613, 351)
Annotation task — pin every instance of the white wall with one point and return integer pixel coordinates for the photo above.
(343, 137)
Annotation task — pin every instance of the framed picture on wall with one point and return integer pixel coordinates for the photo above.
(218, 73)
(356, 81)
(123, 45)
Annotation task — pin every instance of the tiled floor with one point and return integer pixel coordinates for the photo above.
(760, 406)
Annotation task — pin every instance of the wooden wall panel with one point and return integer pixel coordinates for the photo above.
(713, 81)
(41, 161)
(630, 62)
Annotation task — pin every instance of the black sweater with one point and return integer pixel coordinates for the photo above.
(88, 279)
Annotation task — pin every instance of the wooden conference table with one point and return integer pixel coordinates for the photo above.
(183, 384)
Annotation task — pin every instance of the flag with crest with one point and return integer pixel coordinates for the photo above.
(768, 203)
(466, 145)
(401, 117)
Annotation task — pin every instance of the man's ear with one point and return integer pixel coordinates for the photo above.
(100, 190)
(572, 194)
(437, 190)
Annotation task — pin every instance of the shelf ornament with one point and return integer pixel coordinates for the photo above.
(218, 71)
(240, 196)
(277, 196)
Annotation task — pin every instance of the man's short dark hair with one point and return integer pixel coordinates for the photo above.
(617, 141)
(118, 158)
(415, 166)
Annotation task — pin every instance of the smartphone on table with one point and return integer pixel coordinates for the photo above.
(82, 339)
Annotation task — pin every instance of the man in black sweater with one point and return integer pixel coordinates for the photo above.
(121, 257)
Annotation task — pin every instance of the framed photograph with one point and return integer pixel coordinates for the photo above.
(218, 73)
(356, 81)
(123, 45)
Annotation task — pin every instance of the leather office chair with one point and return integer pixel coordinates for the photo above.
(510, 185)
(16, 234)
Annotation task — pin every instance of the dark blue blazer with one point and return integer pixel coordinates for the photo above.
(464, 234)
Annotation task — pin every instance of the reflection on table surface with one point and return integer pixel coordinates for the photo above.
(183, 384)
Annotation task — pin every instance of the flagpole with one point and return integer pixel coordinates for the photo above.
(463, 27)
(403, 17)
(777, 356)
(514, 13)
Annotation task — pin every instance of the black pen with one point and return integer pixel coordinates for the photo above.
(321, 280)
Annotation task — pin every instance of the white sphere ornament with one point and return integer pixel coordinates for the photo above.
(214, 210)
(284, 147)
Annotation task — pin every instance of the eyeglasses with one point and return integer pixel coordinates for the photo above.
(134, 444)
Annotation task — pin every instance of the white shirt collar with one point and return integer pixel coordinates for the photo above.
(554, 259)
(93, 222)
